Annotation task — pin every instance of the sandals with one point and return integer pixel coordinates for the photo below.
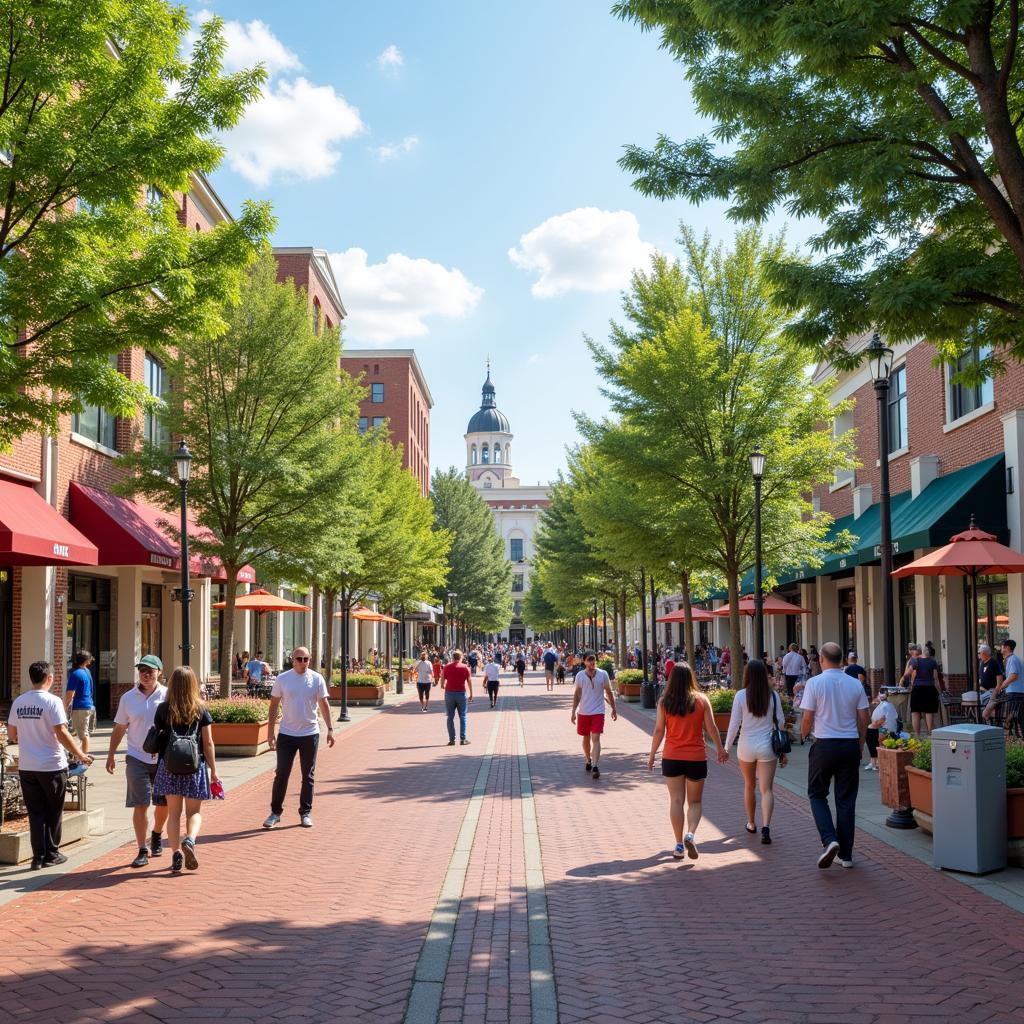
(752, 829)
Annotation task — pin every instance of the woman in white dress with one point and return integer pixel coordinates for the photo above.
(755, 710)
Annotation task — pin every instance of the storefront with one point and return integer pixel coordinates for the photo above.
(89, 628)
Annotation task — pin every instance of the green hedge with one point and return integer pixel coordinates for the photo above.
(607, 664)
(243, 709)
(631, 675)
(923, 756)
(721, 701)
(363, 679)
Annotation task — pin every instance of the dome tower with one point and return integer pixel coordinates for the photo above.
(489, 443)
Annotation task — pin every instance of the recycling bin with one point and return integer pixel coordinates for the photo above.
(969, 797)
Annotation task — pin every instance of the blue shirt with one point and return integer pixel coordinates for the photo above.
(80, 684)
(550, 659)
(255, 669)
(1014, 664)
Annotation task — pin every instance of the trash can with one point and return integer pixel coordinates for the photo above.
(649, 694)
(969, 798)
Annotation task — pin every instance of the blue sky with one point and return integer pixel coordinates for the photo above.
(458, 160)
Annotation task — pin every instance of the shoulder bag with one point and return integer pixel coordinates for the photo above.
(780, 739)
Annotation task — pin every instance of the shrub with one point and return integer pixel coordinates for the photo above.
(631, 675)
(721, 700)
(923, 756)
(607, 664)
(363, 679)
(242, 709)
(1015, 766)
(894, 743)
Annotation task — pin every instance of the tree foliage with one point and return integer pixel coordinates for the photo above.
(96, 106)
(896, 123)
(479, 572)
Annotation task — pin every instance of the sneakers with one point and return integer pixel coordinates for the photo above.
(156, 844)
(869, 767)
(176, 863)
(596, 772)
(305, 820)
(464, 742)
(142, 859)
(691, 846)
(424, 708)
(37, 864)
(829, 855)
(272, 820)
(188, 851)
(588, 767)
(57, 858)
(451, 743)
(679, 852)
(845, 863)
(766, 835)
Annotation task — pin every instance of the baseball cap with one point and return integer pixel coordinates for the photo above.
(589, 654)
(150, 661)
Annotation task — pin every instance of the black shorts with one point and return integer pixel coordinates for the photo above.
(693, 770)
(423, 689)
(492, 688)
(924, 699)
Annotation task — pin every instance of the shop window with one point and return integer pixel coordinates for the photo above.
(293, 627)
(516, 549)
(899, 436)
(377, 394)
(993, 611)
(152, 607)
(848, 619)
(965, 398)
(156, 385)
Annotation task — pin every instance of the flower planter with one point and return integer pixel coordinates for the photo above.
(722, 722)
(358, 696)
(630, 692)
(892, 775)
(1015, 814)
(241, 739)
(919, 787)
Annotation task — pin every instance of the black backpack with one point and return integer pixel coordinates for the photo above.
(181, 755)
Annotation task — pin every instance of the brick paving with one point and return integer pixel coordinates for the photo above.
(329, 925)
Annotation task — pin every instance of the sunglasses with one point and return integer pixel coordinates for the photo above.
(147, 671)
(300, 659)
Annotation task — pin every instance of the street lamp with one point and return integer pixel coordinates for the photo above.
(183, 462)
(757, 471)
(451, 597)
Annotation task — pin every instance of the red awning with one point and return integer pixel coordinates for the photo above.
(33, 532)
(134, 533)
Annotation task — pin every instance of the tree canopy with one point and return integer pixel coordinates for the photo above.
(896, 124)
(101, 122)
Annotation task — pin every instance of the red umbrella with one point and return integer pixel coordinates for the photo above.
(699, 615)
(972, 553)
(772, 605)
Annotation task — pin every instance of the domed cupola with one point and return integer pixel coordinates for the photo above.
(489, 442)
(488, 419)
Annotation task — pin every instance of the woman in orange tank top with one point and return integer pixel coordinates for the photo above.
(684, 715)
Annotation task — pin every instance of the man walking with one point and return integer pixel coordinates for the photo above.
(78, 700)
(550, 663)
(301, 690)
(458, 690)
(793, 668)
(492, 674)
(135, 713)
(835, 709)
(38, 724)
(424, 679)
(593, 687)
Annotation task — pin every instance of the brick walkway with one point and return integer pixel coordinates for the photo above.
(329, 925)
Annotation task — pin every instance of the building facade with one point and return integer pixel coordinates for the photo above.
(516, 508)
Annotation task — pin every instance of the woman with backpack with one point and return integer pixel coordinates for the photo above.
(187, 767)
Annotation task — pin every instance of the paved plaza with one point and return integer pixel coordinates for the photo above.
(498, 882)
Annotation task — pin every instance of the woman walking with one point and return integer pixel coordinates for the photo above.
(181, 718)
(924, 693)
(520, 667)
(684, 715)
(756, 710)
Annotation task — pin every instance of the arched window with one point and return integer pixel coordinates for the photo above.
(472, 455)
(497, 453)
(487, 485)
(508, 453)
(316, 316)
(485, 454)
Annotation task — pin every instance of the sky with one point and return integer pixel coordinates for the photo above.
(457, 159)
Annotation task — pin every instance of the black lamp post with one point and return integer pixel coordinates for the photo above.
(757, 458)
(447, 629)
(183, 462)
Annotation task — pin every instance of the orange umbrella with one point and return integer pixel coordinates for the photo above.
(772, 606)
(264, 601)
(699, 615)
(363, 614)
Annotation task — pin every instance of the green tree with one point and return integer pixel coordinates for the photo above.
(96, 107)
(478, 571)
(896, 124)
(719, 380)
(271, 426)
(542, 615)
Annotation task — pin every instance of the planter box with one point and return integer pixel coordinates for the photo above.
(892, 773)
(1015, 814)
(16, 847)
(919, 787)
(358, 696)
(722, 722)
(630, 692)
(241, 739)
(920, 784)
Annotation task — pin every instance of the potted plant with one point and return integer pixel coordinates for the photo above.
(629, 684)
(721, 705)
(241, 725)
(919, 783)
(363, 688)
(894, 757)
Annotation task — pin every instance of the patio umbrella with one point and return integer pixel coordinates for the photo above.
(772, 605)
(699, 615)
(972, 553)
(263, 601)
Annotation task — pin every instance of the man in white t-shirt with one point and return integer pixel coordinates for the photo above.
(794, 667)
(39, 725)
(299, 691)
(492, 676)
(424, 679)
(592, 688)
(835, 709)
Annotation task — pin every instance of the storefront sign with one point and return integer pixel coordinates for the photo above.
(61, 550)
(895, 549)
(163, 560)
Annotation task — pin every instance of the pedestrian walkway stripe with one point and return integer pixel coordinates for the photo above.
(428, 981)
(543, 997)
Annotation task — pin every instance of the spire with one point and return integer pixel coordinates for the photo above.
(488, 389)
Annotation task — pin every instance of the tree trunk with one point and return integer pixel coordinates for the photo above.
(314, 637)
(330, 600)
(615, 631)
(735, 651)
(227, 641)
(684, 589)
(623, 657)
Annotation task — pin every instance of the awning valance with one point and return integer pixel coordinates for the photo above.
(33, 532)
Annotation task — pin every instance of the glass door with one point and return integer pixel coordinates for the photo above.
(6, 636)
(848, 619)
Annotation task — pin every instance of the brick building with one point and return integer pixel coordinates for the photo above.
(397, 395)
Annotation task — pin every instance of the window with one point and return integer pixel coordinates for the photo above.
(363, 424)
(96, 423)
(898, 434)
(377, 393)
(156, 385)
(154, 200)
(472, 455)
(485, 455)
(965, 398)
(293, 625)
(316, 316)
(516, 549)
(379, 421)
(517, 609)
(517, 583)
(497, 453)
(487, 485)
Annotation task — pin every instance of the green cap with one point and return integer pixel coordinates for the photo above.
(150, 661)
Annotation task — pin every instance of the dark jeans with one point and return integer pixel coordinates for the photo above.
(838, 761)
(871, 738)
(287, 748)
(492, 690)
(455, 701)
(791, 684)
(44, 801)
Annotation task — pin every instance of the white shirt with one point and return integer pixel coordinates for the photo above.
(36, 715)
(493, 671)
(756, 731)
(887, 711)
(835, 698)
(793, 664)
(591, 692)
(424, 672)
(299, 694)
(137, 711)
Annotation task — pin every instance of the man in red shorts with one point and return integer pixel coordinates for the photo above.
(592, 687)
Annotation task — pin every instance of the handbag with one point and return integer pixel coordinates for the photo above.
(780, 740)
(154, 741)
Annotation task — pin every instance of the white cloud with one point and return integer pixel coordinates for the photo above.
(392, 151)
(585, 249)
(394, 299)
(251, 44)
(391, 59)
